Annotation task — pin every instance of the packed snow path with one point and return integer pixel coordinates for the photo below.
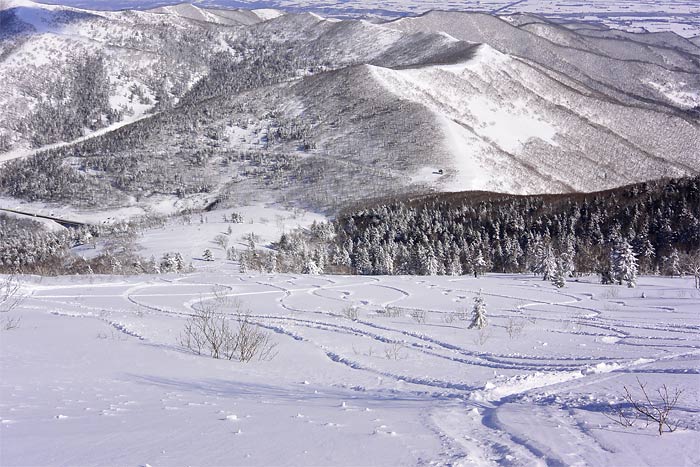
(95, 375)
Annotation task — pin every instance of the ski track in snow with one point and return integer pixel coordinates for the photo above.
(473, 423)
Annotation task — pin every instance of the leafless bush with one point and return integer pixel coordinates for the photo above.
(10, 323)
(210, 331)
(515, 327)
(9, 294)
(460, 315)
(369, 353)
(611, 293)
(395, 351)
(463, 314)
(115, 336)
(482, 336)
(351, 312)
(653, 413)
(391, 312)
(252, 341)
(418, 316)
(9, 300)
(222, 241)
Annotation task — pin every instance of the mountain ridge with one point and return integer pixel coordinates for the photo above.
(298, 107)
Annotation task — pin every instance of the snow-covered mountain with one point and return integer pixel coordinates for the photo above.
(217, 105)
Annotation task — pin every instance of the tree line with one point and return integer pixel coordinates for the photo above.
(647, 228)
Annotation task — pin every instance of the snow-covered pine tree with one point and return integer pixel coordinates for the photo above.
(479, 264)
(671, 264)
(455, 267)
(179, 262)
(311, 268)
(363, 265)
(549, 264)
(208, 256)
(231, 253)
(558, 277)
(341, 257)
(624, 264)
(478, 313)
(270, 263)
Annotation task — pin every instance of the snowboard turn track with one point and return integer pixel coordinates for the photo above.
(406, 380)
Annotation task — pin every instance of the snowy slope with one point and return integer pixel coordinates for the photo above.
(627, 79)
(442, 101)
(375, 391)
(527, 131)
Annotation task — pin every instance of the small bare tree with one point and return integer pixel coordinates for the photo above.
(419, 316)
(515, 327)
(236, 336)
(351, 312)
(222, 241)
(9, 300)
(252, 341)
(394, 351)
(691, 265)
(482, 336)
(653, 413)
(390, 312)
(9, 294)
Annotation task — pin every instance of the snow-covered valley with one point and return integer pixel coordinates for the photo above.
(201, 210)
(94, 374)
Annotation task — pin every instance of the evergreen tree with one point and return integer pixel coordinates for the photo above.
(179, 262)
(311, 268)
(208, 256)
(479, 264)
(558, 277)
(363, 265)
(549, 266)
(624, 264)
(478, 313)
(671, 264)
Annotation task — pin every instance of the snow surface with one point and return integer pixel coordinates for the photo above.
(266, 14)
(190, 238)
(94, 374)
(475, 123)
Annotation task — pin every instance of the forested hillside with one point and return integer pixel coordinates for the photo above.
(472, 233)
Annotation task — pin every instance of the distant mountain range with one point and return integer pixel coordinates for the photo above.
(679, 16)
(209, 107)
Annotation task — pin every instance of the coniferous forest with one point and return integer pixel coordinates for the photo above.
(441, 234)
(472, 233)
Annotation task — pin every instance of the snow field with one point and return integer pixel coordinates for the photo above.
(95, 367)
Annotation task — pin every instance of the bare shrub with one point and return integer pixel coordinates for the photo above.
(222, 241)
(9, 300)
(351, 312)
(210, 331)
(9, 294)
(252, 341)
(419, 316)
(463, 314)
(391, 312)
(395, 351)
(653, 413)
(611, 293)
(9, 323)
(482, 336)
(115, 336)
(515, 327)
